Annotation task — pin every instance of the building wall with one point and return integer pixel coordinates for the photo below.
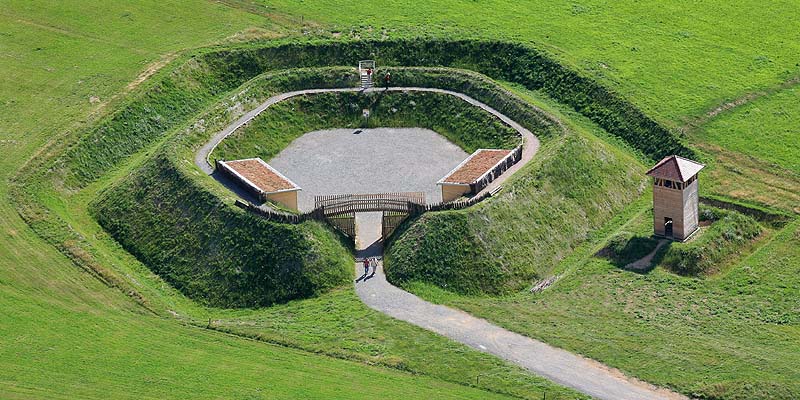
(691, 203)
(667, 203)
(452, 192)
(680, 205)
(287, 199)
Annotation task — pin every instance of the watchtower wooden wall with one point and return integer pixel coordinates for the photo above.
(679, 202)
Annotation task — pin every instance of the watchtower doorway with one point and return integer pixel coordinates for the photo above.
(668, 227)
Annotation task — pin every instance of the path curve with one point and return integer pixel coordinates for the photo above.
(530, 143)
(568, 369)
(565, 368)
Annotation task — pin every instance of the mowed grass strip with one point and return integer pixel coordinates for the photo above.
(674, 59)
(105, 353)
(767, 128)
(65, 335)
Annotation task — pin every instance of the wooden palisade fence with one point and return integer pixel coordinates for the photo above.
(339, 210)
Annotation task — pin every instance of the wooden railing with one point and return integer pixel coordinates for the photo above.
(335, 207)
(347, 203)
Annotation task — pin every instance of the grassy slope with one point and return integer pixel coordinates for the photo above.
(676, 59)
(575, 183)
(21, 250)
(71, 336)
(767, 128)
(216, 254)
(727, 337)
(276, 127)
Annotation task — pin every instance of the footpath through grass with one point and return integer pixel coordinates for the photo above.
(732, 335)
(728, 337)
(675, 59)
(64, 333)
(767, 128)
(755, 149)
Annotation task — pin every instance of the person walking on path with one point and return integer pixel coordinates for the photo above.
(387, 79)
(366, 263)
(373, 262)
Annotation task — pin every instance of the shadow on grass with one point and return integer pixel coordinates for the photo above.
(637, 254)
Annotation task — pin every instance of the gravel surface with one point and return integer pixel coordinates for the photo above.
(560, 366)
(563, 367)
(339, 161)
(531, 143)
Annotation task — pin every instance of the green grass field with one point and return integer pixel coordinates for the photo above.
(767, 128)
(66, 333)
(732, 336)
(675, 59)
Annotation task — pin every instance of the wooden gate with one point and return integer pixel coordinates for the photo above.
(391, 220)
(340, 210)
(345, 223)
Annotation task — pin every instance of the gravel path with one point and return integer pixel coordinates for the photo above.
(560, 366)
(530, 142)
(382, 160)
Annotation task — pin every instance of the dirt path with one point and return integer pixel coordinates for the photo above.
(560, 366)
(699, 121)
(643, 263)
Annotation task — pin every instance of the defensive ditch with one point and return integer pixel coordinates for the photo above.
(164, 106)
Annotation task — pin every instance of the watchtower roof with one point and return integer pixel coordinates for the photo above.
(675, 168)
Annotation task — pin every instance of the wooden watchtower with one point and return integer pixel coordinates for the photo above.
(675, 197)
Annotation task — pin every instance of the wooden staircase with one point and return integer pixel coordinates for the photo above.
(366, 80)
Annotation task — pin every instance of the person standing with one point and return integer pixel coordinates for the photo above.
(366, 266)
(373, 262)
(387, 79)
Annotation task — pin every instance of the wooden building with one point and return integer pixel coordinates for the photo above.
(675, 197)
(262, 181)
(474, 173)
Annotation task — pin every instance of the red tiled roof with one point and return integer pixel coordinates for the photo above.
(675, 168)
(259, 174)
(475, 166)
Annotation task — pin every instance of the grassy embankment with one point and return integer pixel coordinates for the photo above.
(65, 334)
(230, 67)
(226, 258)
(466, 126)
(727, 336)
(652, 55)
(441, 359)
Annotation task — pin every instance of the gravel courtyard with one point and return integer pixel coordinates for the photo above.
(338, 161)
